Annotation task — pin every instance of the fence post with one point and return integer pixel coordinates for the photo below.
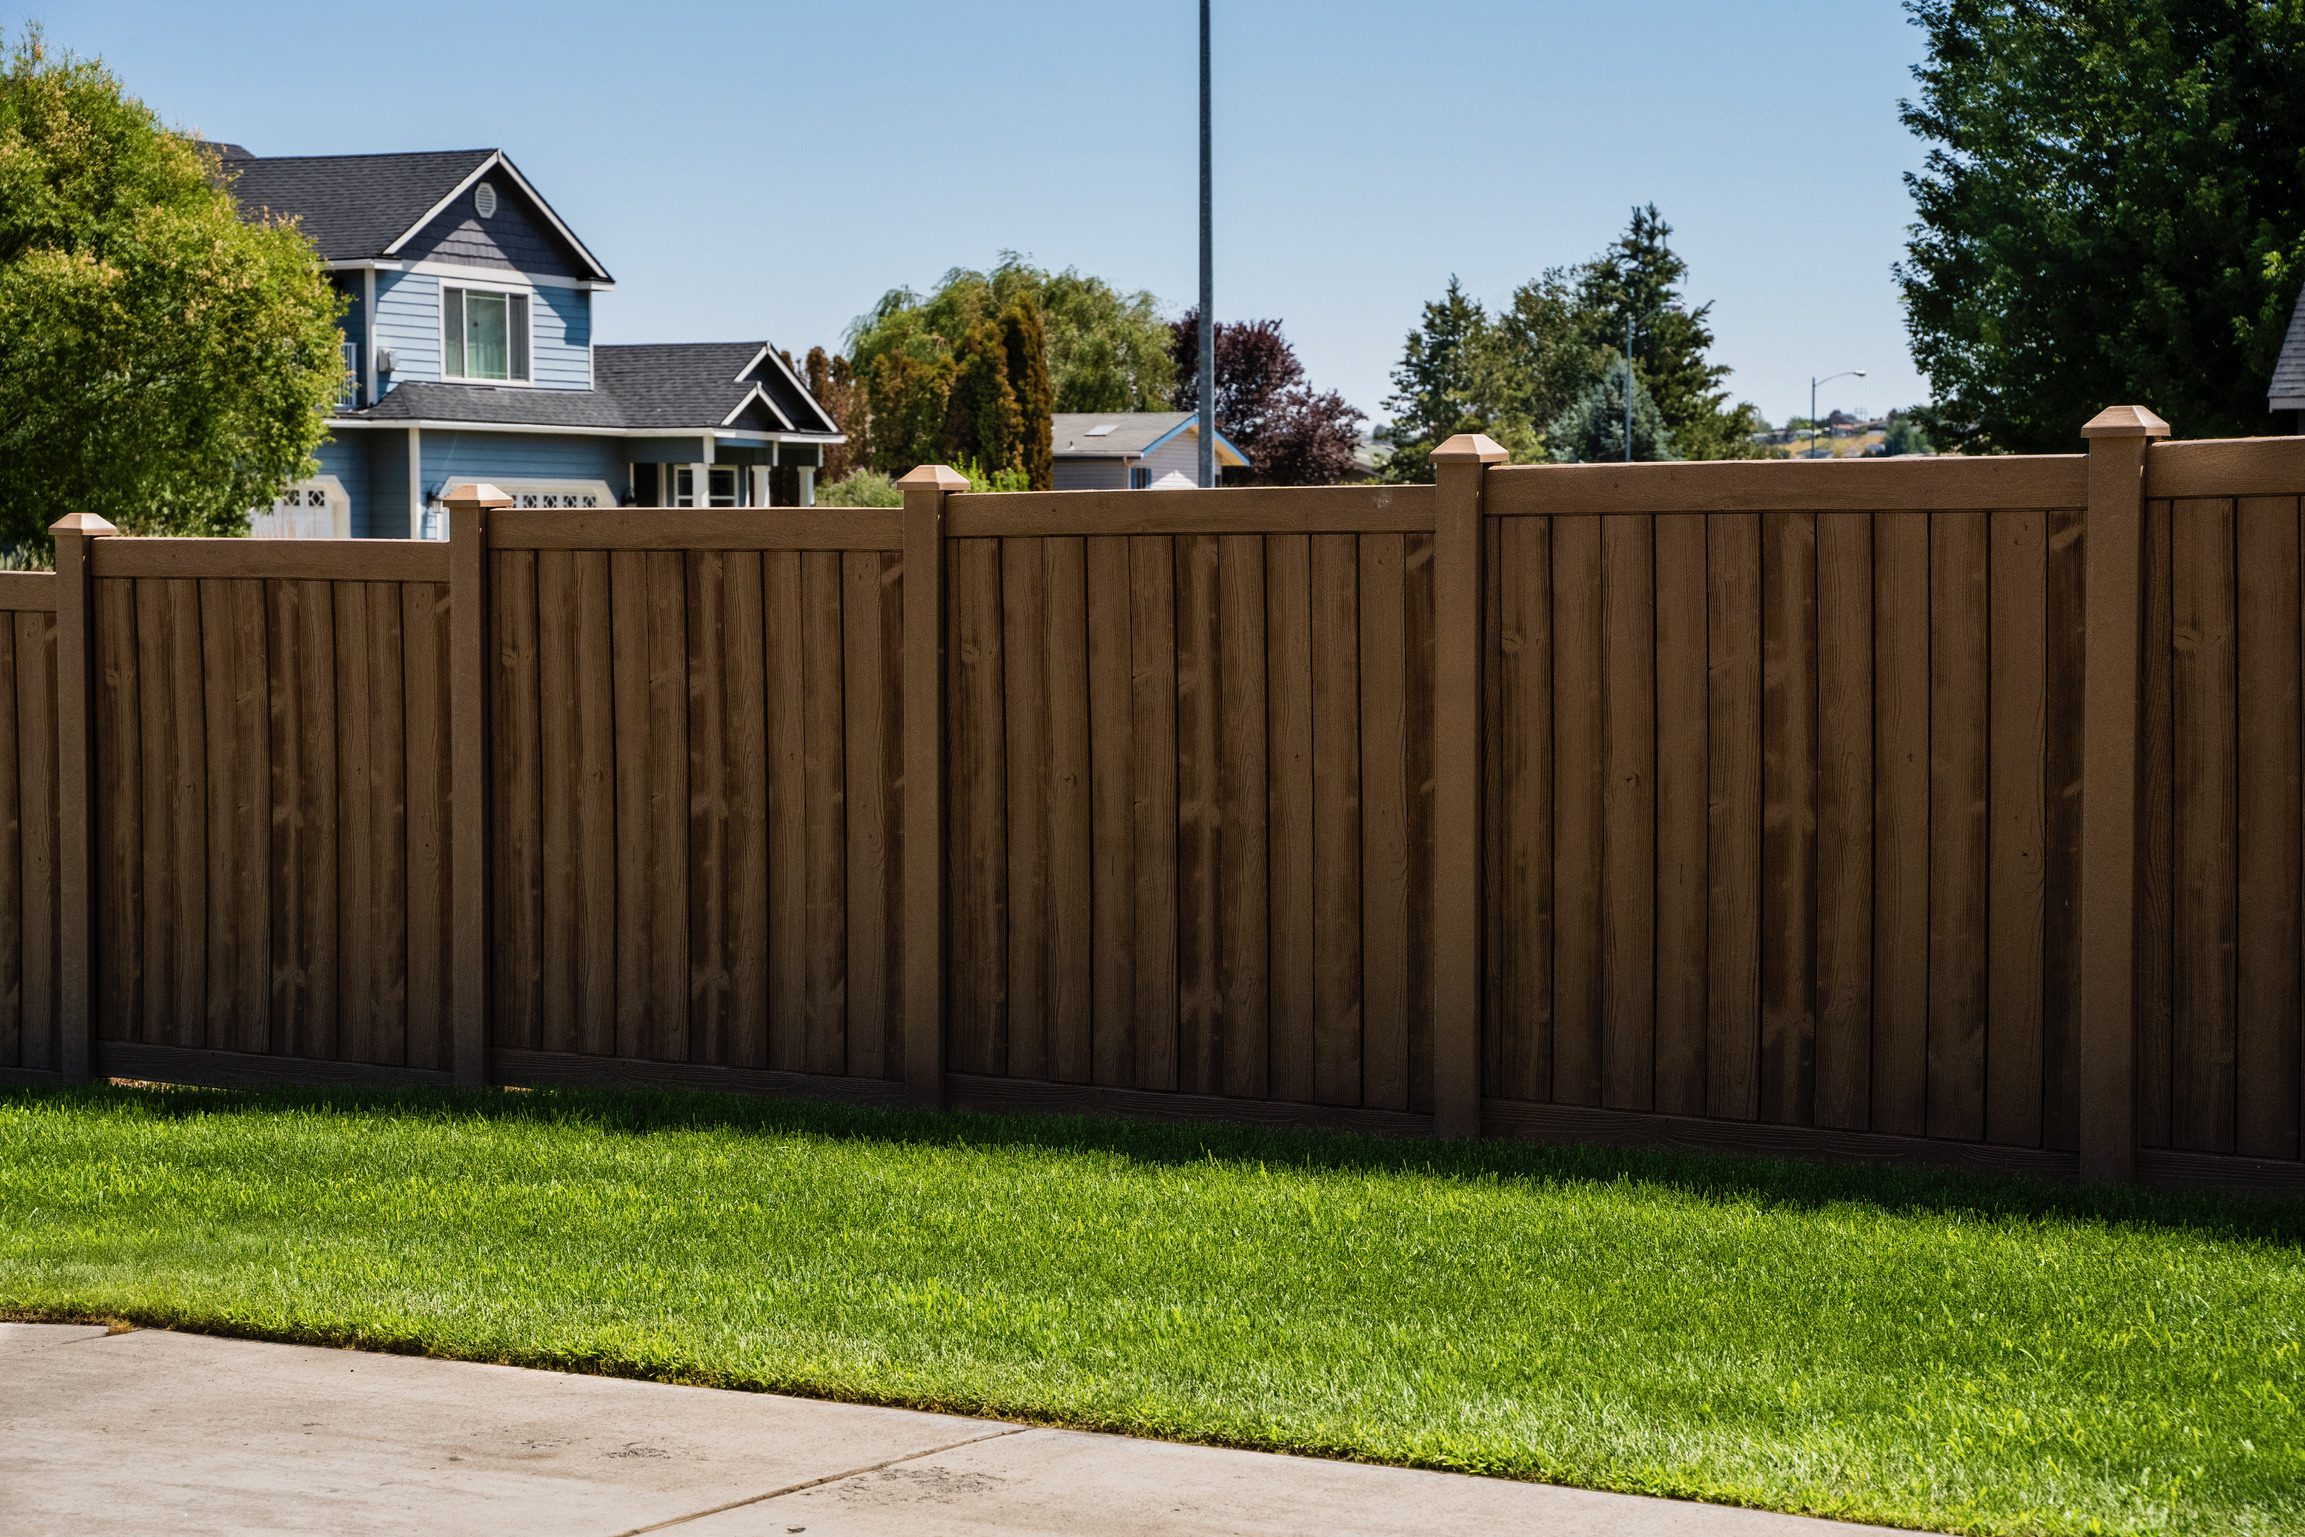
(469, 666)
(1460, 466)
(75, 795)
(925, 490)
(2112, 544)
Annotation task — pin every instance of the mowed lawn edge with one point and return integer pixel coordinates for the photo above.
(1913, 1348)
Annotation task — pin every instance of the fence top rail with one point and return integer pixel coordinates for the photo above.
(1239, 510)
(1916, 484)
(27, 592)
(326, 560)
(697, 528)
(2214, 467)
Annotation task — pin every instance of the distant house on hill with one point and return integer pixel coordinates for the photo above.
(468, 356)
(2285, 396)
(1130, 450)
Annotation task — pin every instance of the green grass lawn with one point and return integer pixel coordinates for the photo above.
(1916, 1349)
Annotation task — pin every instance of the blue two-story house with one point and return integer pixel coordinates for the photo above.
(468, 356)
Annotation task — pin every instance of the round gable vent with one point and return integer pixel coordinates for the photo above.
(484, 199)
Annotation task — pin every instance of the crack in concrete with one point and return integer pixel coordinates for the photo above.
(818, 1483)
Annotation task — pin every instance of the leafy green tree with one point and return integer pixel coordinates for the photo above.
(1544, 356)
(1292, 434)
(1638, 282)
(860, 488)
(1904, 435)
(1024, 343)
(981, 418)
(162, 362)
(1592, 429)
(2112, 210)
(906, 400)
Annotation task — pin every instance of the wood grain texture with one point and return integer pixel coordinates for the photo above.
(1243, 972)
(37, 804)
(1200, 998)
(340, 560)
(1682, 813)
(2203, 1057)
(2017, 830)
(1024, 718)
(1069, 930)
(1337, 850)
(431, 808)
(1840, 486)
(1289, 737)
(2067, 632)
(1628, 812)
(1844, 1059)
(1579, 802)
(1153, 794)
(1901, 717)
(2267, 811)
(1385, 791)
(1244, 510)
(977, 776)
(1960, 682)
(1520, 743)
(1113, 894)
(515, 749)
(1733, 839)
(1788, 892)
(2156, 842)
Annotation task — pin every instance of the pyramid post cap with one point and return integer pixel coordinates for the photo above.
(82, 523)
(2125, 422)
(933, 477)
(1471, 448)
(474, 494)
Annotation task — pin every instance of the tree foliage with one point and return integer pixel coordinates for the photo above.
(162, 362)
(1592, 429)
(2112, 210)
(1292, 434)
(1067, 343)
(1514, 373)
(982, 421)
(832, 379)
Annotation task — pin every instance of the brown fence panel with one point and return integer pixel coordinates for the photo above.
(695, 746)
(2219, 979)
(271, 807)
(29, 954)
(1190, 802)
(1776, 830)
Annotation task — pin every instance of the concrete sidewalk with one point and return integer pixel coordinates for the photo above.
(153, 1432)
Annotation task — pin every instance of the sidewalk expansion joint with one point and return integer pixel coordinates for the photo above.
(818, 1483)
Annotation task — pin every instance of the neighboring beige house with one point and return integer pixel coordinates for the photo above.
(1130, 450)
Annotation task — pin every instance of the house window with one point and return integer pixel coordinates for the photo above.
(680, 483)
(1139, 478)
(724, 482)
(348, 393)
(484, 335)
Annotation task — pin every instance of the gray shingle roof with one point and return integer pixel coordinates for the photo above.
(655, 386)
(1132, 432)
(2287, 391)
(352, 206)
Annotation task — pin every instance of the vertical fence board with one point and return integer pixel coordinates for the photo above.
(1384, 824)
(1023, 718)
(2156, 918)
(827, 774)
(711, 954)
(1199, 817)
(116, 663)
(1520, 822)
(1579, 802)
(787, 814)
(2202, 594)
(516, 748)
(386, 786)
(864, 718)
(978, 1014)
(1070, 995)
(1418, 594)
(36, 703)
(2268, 813)
(1960, 671)
(231, 671)
(1789, 817)
(1112, 810)
(1901, 756)
(1628, 812)
(1153, 645)
(560, 663)
(431, 857)
(1681, 813)
(2016, 834)
(1336, 664)
(1733, 843)
(667, 740)
(1289, 848)
(2066, 633)
(1242, 791)
(745, 710)
(13, 1031)
(1844, 821)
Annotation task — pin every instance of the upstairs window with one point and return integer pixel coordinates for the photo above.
(484, 335)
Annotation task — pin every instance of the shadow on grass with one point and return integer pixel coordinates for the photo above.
(1712, 1176)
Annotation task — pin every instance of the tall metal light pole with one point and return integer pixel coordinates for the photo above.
(1208, 361)
(1814, 381)
(1628, 389)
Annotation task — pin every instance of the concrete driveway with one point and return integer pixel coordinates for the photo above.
(154, 1432)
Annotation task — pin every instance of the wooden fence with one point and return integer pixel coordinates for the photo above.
(1934, 810)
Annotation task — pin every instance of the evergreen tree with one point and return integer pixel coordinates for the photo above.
(907, 397)
(1440, 384)
(1637, 282)
(1592, 429)
(1024, 349)
(1544, 357)
(982, 422)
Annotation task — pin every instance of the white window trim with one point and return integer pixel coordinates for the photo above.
(509, 290)
(276, 521)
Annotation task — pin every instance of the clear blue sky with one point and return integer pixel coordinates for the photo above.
(769, 169)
